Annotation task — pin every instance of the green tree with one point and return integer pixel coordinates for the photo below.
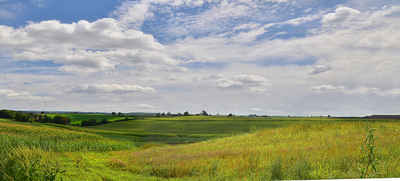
(204, 113)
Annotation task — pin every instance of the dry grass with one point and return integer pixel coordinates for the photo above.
(304, 151)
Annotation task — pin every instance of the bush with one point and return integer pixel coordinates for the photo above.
(104, 121)
(61, 120)
(90, 122)
(7, 114)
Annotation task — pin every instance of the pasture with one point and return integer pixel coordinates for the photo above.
(201, 148)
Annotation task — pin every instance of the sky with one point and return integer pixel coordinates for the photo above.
(266, 57)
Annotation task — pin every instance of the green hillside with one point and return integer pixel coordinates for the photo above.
(208, 148)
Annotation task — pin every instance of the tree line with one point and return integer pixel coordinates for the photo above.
(32, 117)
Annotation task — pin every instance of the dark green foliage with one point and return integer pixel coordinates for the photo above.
(276, 170)
(30, 117)
(302, 170)
(368, 160)
(7, 114)
(104, 121)
(204, 113)
(61, 120)
(90, 122)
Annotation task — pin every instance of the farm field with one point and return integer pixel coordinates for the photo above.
(201, 148)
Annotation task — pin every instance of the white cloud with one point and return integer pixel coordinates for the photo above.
(113, 88)
(145, 106)
(253, 83)
(132, 14)
(340, 15)
(84, 46)
(357, 90)
(317, 69)
(21, 95)
(256, 109)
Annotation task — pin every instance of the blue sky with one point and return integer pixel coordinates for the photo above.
(66, 11)
(274, 57)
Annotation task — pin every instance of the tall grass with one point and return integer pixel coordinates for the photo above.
(52, 139)
(33, 152)
(303, 151)
(300, 150)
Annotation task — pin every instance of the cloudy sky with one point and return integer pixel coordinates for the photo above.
(274, 57)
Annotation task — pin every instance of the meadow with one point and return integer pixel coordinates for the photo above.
(202, 148)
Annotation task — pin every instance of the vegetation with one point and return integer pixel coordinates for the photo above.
(30, 117)
(208, 148)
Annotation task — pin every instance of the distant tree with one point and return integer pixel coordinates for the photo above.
(120, 114)
(163, 114)
(230, 115)
(186, 113)
(61, 120)
(104, 121)
(19, 116)
(113, 113)
(7, 114)
(46, 119)
(204, 113)
(179, 114)
(90, 122)
(158, 114)
(169, 114)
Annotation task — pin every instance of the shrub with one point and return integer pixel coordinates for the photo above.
(104, 121)
(90, 122)
(368, 158)
(61, 120)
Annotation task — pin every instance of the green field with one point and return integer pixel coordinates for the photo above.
(200, 148)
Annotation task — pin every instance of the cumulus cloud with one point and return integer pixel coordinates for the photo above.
(112, 88)
(356, 90)
(341, 14)
(21, 95)
(326, 55)
(83, 46)
(145, 106)
(317, 69)
(253, 83)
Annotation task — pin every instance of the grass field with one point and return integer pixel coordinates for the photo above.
(200, 148)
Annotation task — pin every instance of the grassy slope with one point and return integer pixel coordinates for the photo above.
(178, 130)
(302, 151)
(306, 148)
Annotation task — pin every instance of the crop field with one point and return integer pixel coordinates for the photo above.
(202, 148)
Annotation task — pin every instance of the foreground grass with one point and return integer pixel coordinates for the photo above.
(304, 151)
(242, 149)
